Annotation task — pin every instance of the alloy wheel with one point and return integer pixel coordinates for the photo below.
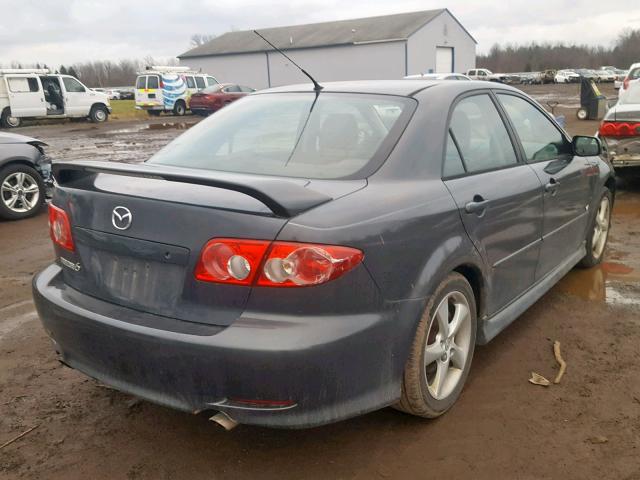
(448, 345)
(20, 192)
(601, 228)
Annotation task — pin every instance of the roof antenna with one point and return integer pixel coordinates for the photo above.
(316, 86)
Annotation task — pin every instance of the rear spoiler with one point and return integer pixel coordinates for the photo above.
(284, 197)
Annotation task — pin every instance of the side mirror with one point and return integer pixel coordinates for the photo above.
(586, 146)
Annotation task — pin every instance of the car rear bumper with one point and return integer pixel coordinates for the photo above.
(623, 152)
(329, 368)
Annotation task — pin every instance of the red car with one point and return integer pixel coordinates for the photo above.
(213, 98)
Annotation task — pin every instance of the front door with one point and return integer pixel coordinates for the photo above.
(77, 98)
(566, 180)
(499, 198)
(26, 97)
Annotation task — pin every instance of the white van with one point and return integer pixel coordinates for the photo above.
(35, 93)
(168, 89)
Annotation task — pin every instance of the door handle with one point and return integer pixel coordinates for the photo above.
(478, 205)
(552, 186)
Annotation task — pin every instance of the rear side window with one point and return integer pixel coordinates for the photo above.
(72, 85)
(22, 84)
(481, 135)
(141, 82)
(190, 82)
(152, 82)
(211, 81)
(539, 137)
(200, 82)
(232, 89)
(452, 160)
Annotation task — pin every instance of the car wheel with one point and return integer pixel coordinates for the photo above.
(7, 121)
(21, 192)
(598, 234)
(582, 114)
(98, 114)
(442, 350)
(179, 109)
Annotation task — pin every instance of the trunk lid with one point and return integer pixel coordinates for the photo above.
(149, 265)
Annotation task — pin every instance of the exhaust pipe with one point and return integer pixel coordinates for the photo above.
(224, 420)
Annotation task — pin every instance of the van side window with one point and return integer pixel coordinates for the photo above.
(21, 84)
(152, 81)
(211, 81)
(481, 136)
(190, 82)
(72, 85)
(200, 82)
(141, 83)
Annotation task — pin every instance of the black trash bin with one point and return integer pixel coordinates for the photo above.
(593, 105)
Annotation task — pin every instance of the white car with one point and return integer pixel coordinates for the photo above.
(633, 76)
(35, 93)
(112, 94)
(437, 76)
(484, 74)
(606, 75)
(567, 76)
(620, 128)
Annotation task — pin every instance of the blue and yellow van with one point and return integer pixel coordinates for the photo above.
(168, 89)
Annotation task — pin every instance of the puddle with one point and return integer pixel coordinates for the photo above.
(610, 282)
(168, 126)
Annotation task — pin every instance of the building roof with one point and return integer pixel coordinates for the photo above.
(386, 28)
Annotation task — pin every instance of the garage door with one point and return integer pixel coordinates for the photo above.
(444, 59)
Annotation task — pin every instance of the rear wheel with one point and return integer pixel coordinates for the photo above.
(21, 192)
(442, 350)
(98, 114)
(179, 108)
(7, 121)
(582, 114)
(598, 234)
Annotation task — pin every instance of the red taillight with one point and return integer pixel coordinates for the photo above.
(300, 264)
(277, 264)
(227, 260)
(619, 129)
(161, 83)
(60, 228)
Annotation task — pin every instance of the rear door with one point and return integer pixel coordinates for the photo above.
(498, 197)
(26, 96)
(567, 180)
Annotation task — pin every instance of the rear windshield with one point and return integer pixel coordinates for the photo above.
(333, 135)
(141, 82)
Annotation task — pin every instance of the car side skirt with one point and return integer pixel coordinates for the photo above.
(490, 327)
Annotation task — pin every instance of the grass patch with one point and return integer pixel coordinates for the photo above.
(126, 110)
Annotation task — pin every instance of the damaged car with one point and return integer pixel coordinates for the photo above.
(309, 254)
(25, 176)
(620, 131)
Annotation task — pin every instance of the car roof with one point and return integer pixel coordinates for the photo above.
(387, 87)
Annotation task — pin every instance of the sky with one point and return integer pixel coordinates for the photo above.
(70, 31)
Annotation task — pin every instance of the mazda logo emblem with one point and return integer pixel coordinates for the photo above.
(121, 218)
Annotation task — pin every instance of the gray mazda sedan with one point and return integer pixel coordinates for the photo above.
(304, 256)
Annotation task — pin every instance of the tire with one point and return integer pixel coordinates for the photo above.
(30, 201)
(419, 397)
(179, 109)
(598, 233)
(7, 121)
(582, 114)
(98, 114)
(153, 113)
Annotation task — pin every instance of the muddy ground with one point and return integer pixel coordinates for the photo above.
(502, 427)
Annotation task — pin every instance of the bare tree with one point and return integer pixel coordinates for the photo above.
(200, 39)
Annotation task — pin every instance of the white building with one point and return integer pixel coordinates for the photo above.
(385, 47)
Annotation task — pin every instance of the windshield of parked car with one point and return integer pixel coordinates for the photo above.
(325, 136)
